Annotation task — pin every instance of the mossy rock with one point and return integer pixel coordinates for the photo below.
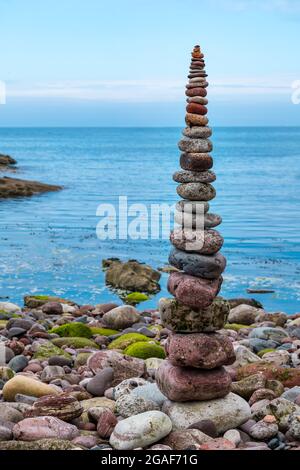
(103, 331)
(81, 359)
(47, 350)
(36, 301)
(73, 330)
(6, 373)
(3, 324)
(7, 315)
(236, 326)
(126, 340)
(75, 342)
(135, 298)
(265, 351)
(145, 350)
(155, 328)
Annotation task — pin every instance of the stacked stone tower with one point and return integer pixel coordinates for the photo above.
(196, 353)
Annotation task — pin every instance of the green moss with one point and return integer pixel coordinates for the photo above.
(73, 330)
(40, 297)
(136, 297)
(6, 373)
(265, 351)
(235, 326)
(7, 315)
(3, 324)
(75, 342)
(81, 359)
(155, 328)
(103, 331)
(145, 350)
(126, 340)
(48, 350)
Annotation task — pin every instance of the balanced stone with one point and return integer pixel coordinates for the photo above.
(181, 318)
(195, 73)
(188, 384)
(195, 145)
(196, 80)
(196, 92)
(201, 83)
(197, 132)
(204, 351)
(192, 207)
(196, 191)
(207, 267)
(193, 291)
(212, 220)
(197, 109)
(195, 119)
(198, 222)
(197, 99)
(194, 176)
(196, 161)
(206, 242)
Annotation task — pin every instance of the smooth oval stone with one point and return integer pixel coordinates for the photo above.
(196, 80)
(199, 84)
(207, 267)
(206, 242)
(212, 220)
(197, 73)
(196, 119)
(193, 291)
(195, 145)
(198, 99)
(197, 132)
(200, 350)
(196, 191)
(140, 430)
(226, 413)
(194, 176)
(182, 384)
(192, 207)
(63, 406)
(197, 109)
(182, 319)
(196, 92)
(196, 161)
(194, 222)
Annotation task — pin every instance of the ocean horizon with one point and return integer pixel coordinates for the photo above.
(49, 243)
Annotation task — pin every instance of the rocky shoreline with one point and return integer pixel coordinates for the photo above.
(84, 377)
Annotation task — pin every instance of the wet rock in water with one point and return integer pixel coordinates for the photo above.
(131, 275)
(7, 162)
(204, 266)
(121, 317)
(101, 382)
(45, 427)
(140, 430)
(26, 386)
(180, 318)
(182, 384)
(13, 187)
(226, 413)
(63, 406)
(125, 367)
(36, 301)
(129, 405)
(204, 351)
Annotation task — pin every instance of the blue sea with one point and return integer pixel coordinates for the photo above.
(48, 243)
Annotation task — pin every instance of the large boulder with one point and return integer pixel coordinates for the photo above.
(226, 413)
(131, 276)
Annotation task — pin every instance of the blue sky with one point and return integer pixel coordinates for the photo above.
(125, 62)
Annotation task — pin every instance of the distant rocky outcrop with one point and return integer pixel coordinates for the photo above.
(13, 187)
(6, 162)
(131, 276)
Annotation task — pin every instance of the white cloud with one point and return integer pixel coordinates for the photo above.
(146, 90)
